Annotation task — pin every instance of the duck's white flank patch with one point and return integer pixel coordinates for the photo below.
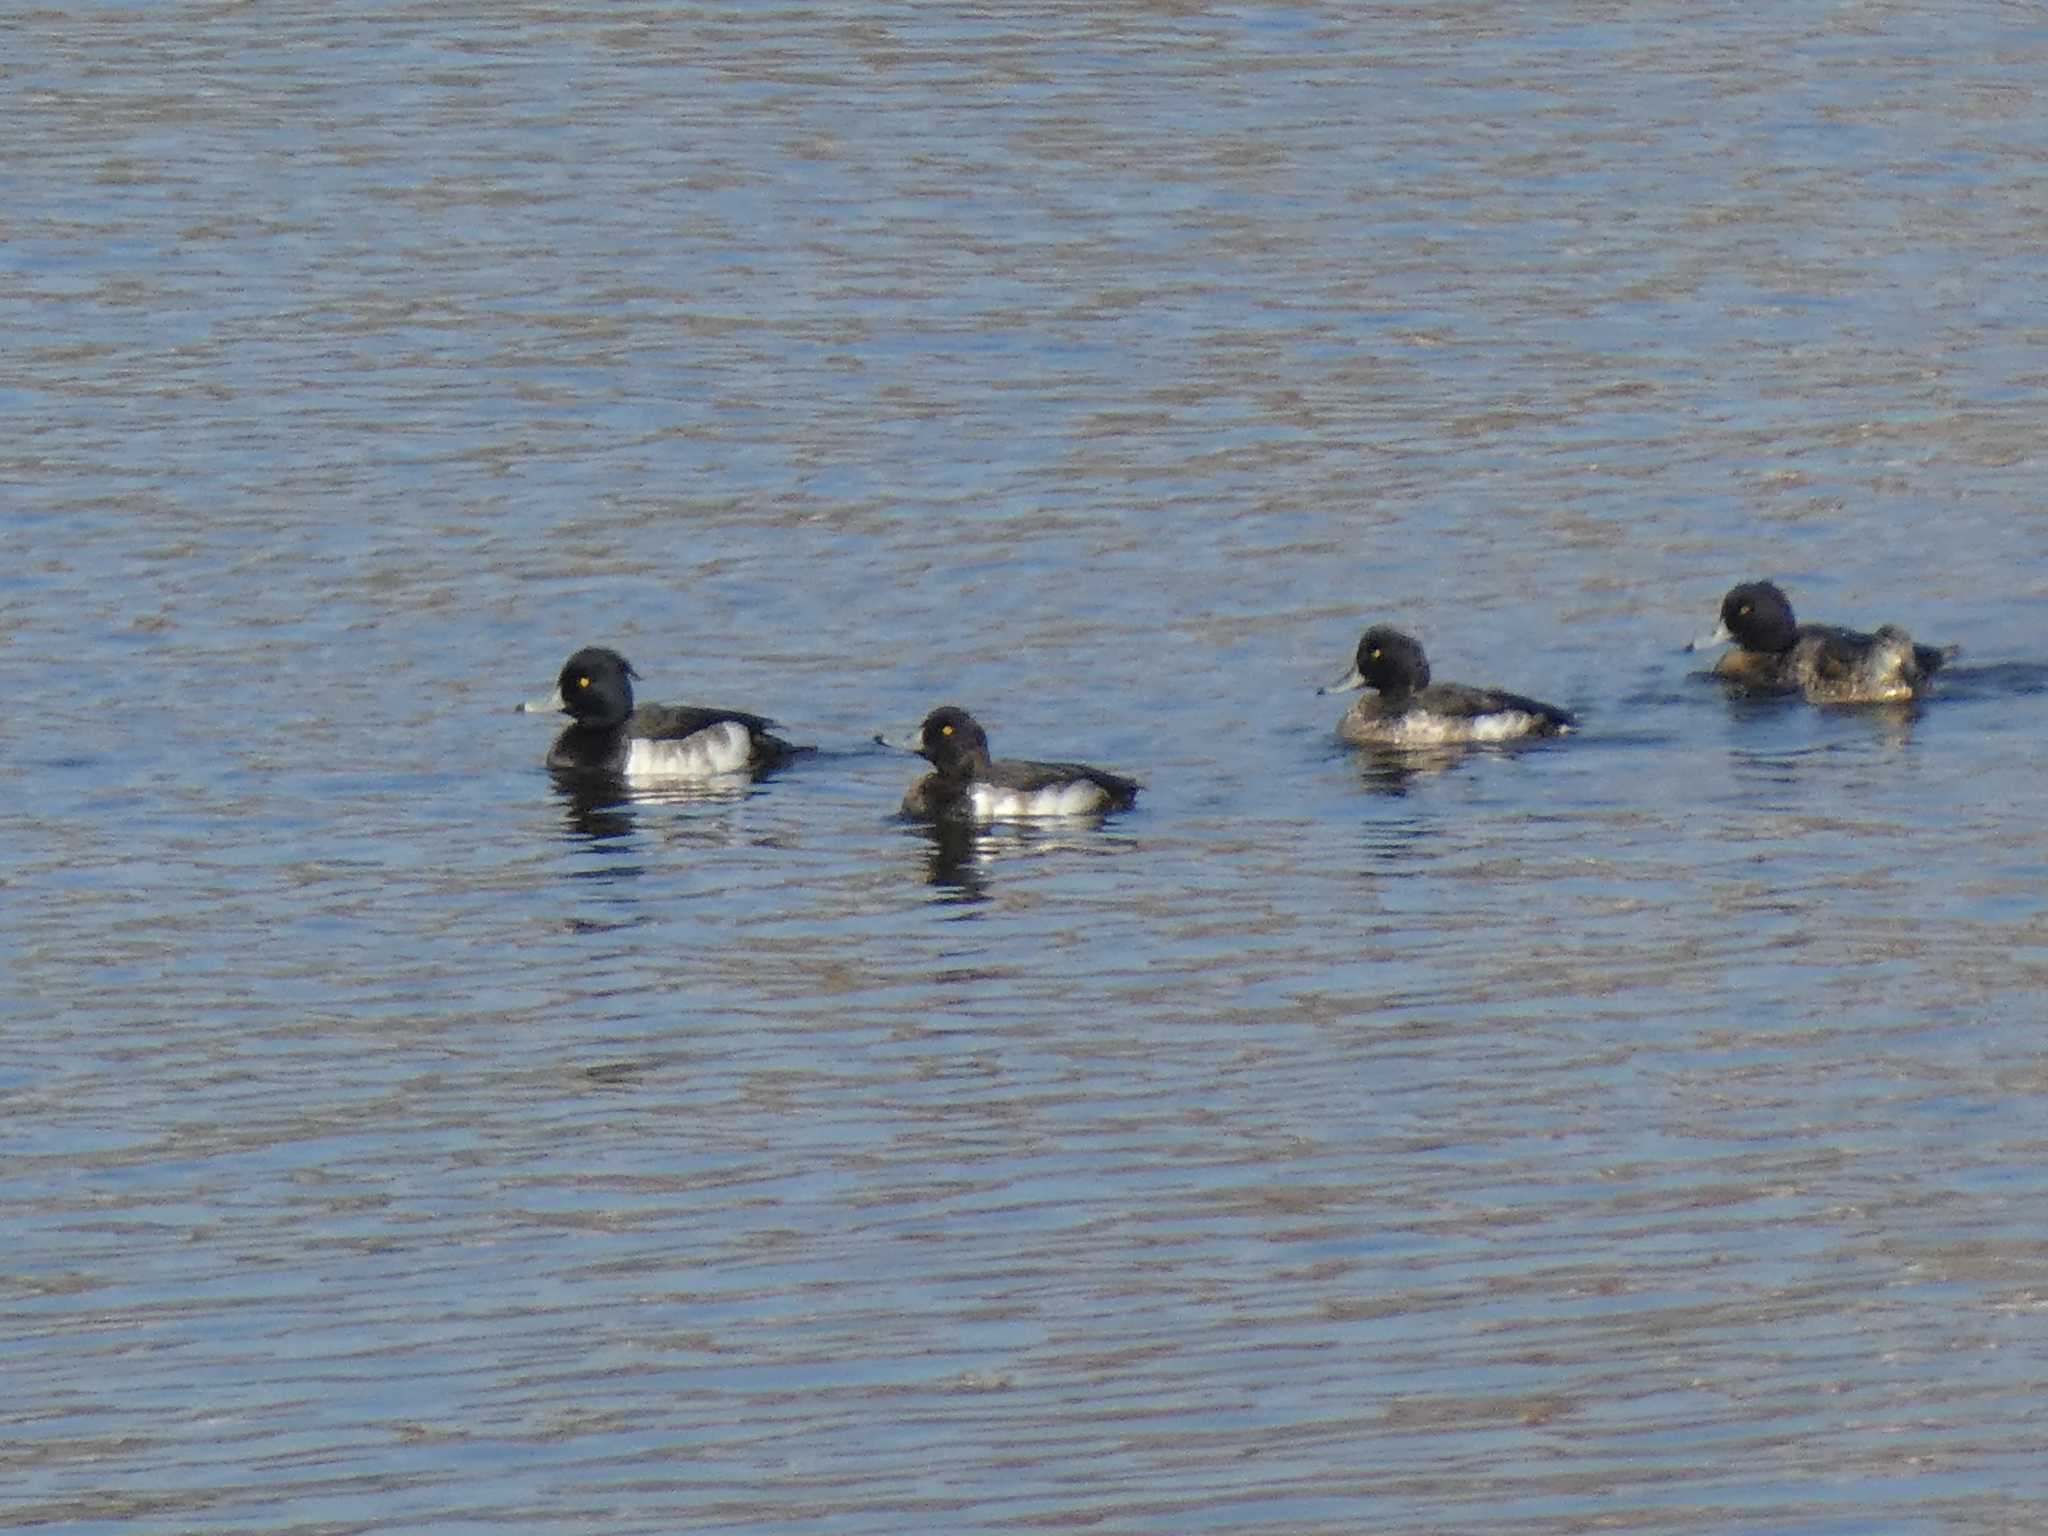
(711, 753)
(1082, 797)
(1420, 728)
(1503, 725)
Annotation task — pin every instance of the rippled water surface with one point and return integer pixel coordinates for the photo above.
(1639, 1133)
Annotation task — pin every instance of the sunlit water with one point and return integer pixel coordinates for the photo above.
(1642, 1132)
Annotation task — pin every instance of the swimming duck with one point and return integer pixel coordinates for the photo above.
(608, 735)
(1407, 710)
(966, 783)
(1774, 653)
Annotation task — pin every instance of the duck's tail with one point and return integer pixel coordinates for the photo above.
(1929, 658)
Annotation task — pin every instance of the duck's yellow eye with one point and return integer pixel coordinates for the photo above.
(945, 730)
(582, 682)
(1375, 656)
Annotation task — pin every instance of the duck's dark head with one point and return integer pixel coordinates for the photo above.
(1387, 660)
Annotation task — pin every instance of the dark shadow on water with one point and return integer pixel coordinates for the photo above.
(1843, 726)
(599, 806)
(1394, 772)
(609, 820)
(595, 812)
(961, 857)
(1837, 728)
(617, 1076)
(586, 927)
(954, 861)
(1998, 680)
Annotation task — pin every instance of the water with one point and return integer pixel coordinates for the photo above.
(1642, 1133)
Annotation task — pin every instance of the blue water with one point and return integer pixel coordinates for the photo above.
(1640, 1132)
